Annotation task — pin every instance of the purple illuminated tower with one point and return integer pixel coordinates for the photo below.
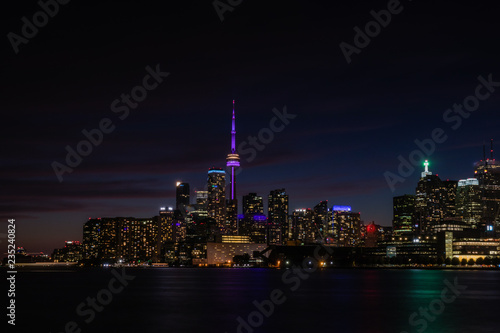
(233, 161)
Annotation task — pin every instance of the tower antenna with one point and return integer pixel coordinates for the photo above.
(233, 134)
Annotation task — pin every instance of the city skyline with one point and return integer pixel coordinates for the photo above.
(238, 161)
(172, 202)
(352, 121)
(183, 197)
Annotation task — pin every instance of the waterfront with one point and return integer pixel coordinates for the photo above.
(211, 300)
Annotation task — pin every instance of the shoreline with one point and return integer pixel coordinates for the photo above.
(75, 268)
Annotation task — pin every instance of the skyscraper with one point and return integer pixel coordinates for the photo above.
(137, 239)
(201, 200)
(347, 226)
(166, 239)
(100, 238)
(121, 238)
(253, 204)
(403, 221)
(429, 201)
(181, 196)
(233, 161)
(303, 229)
(277, 211)
(321, 219)
(253, 223)
(216, 187)
(449, 193)
(487, 172)
(468, 202)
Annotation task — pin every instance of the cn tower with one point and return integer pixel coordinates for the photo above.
(233, 159)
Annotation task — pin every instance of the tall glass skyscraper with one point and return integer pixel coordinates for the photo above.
(277, 212)
(216, 188)
(181, 195)
(434, 201)
(403, 222)
(468, 202)
(487, 172)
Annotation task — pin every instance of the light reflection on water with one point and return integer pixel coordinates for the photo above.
(210, 300)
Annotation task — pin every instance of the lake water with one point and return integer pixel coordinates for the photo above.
(211, 300)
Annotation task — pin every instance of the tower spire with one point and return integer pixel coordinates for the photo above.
(233, 133)
(426, 171)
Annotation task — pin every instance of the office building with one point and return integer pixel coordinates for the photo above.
(469, 206)
(216, 205)
(431, 199)
(487, 172)
(253, 204)
(182, 196)
(71, 252)
(347, 226)
(403, 221)
(277, 212)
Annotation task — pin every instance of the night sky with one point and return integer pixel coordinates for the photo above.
(352, 120)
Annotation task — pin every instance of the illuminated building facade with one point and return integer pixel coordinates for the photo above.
(223, 253)
(253, 204)
(277, 211)
(347, 226)
(469, 206)
(100, 238)
(487, 172)
(449, 192)
(403, 221)
(137, 239)
(201, 200)
(432, 198)
(321, 220)
(121, 238)
(71, 252)
(476, 248)
(182, 194)
(253, 222)
(303, 228)
(216, 205)
(333, 229)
